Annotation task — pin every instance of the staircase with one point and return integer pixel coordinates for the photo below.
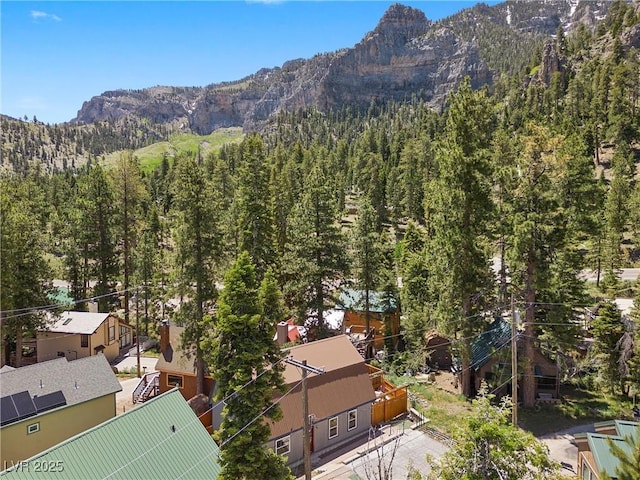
(148, 387)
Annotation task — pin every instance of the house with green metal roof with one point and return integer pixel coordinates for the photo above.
(384, 316)
(491, 363)
(594, 448)
(160, 439)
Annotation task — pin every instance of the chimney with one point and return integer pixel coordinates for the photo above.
(164, 335)
(282, 333)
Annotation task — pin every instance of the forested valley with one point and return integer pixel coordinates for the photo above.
(537, 177)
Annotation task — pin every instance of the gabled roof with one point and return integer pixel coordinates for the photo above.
(174, 359)
(345, 384)
(330, 354)
(160, 439)
(624, 428)
(496, 336)
(599, 450)
(351, 299)
(77, 381)
(77, 322)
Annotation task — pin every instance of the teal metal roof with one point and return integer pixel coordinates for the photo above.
(160, 439)
(351, 299)
(605, 460)
(60, 296)
(496, 336)
(626, 428)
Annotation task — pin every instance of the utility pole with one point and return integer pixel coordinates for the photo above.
(305, 411)
(514, 364)
(138, 331)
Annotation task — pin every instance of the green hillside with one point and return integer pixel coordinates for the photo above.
(151, 155)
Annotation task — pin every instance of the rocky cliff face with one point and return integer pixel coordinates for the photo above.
(405, 55)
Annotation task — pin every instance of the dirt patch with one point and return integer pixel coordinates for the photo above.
(124, 405)
(443, 380)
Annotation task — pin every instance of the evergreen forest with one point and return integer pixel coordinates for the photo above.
(501, 199)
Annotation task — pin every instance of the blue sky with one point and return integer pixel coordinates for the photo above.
(56, 55)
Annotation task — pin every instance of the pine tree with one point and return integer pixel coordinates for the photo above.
(96, 203)
(197, 254)
(607, 330)
(315, 254)
(248, 372)
(367, 256)
(129, 193)
(24, 273)
(255, 222)
(459, 208)
(548, 215)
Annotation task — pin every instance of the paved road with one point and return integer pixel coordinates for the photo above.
(412, 450)
(562, 449)
(353, 463)
(627, 274)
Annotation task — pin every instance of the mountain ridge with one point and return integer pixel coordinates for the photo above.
(405, 55)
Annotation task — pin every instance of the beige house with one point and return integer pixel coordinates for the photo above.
(82, 334)
(46, 403)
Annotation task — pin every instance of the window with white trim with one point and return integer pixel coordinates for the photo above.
(333, 427)
(33, 428)
(352, 419)
(174, 381)
(283, 445)
(586, 471)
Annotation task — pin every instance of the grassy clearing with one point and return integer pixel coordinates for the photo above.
(153, 352)
(443, 409)
(151, 156)
(579, 406)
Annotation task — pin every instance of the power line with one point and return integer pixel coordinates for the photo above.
(273, 404)
(197, 419)
(31, 310)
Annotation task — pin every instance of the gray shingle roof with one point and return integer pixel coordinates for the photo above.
(79, 380)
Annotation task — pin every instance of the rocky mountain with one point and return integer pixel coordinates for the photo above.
(405, 56)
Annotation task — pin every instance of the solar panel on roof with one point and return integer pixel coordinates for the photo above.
(8, 412)
(24, 404)
(50, 401)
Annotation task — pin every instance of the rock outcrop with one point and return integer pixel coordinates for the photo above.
(405, 56)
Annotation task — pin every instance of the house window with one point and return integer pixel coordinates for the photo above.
(586, 471)
(174, 381)
(125, 336)
(84, 341)
(333, 427)
(61, 354)
(33, 428)
(112, 333)
(283, 445)
(352, 419)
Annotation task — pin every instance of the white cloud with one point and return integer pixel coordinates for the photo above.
(39, 15)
